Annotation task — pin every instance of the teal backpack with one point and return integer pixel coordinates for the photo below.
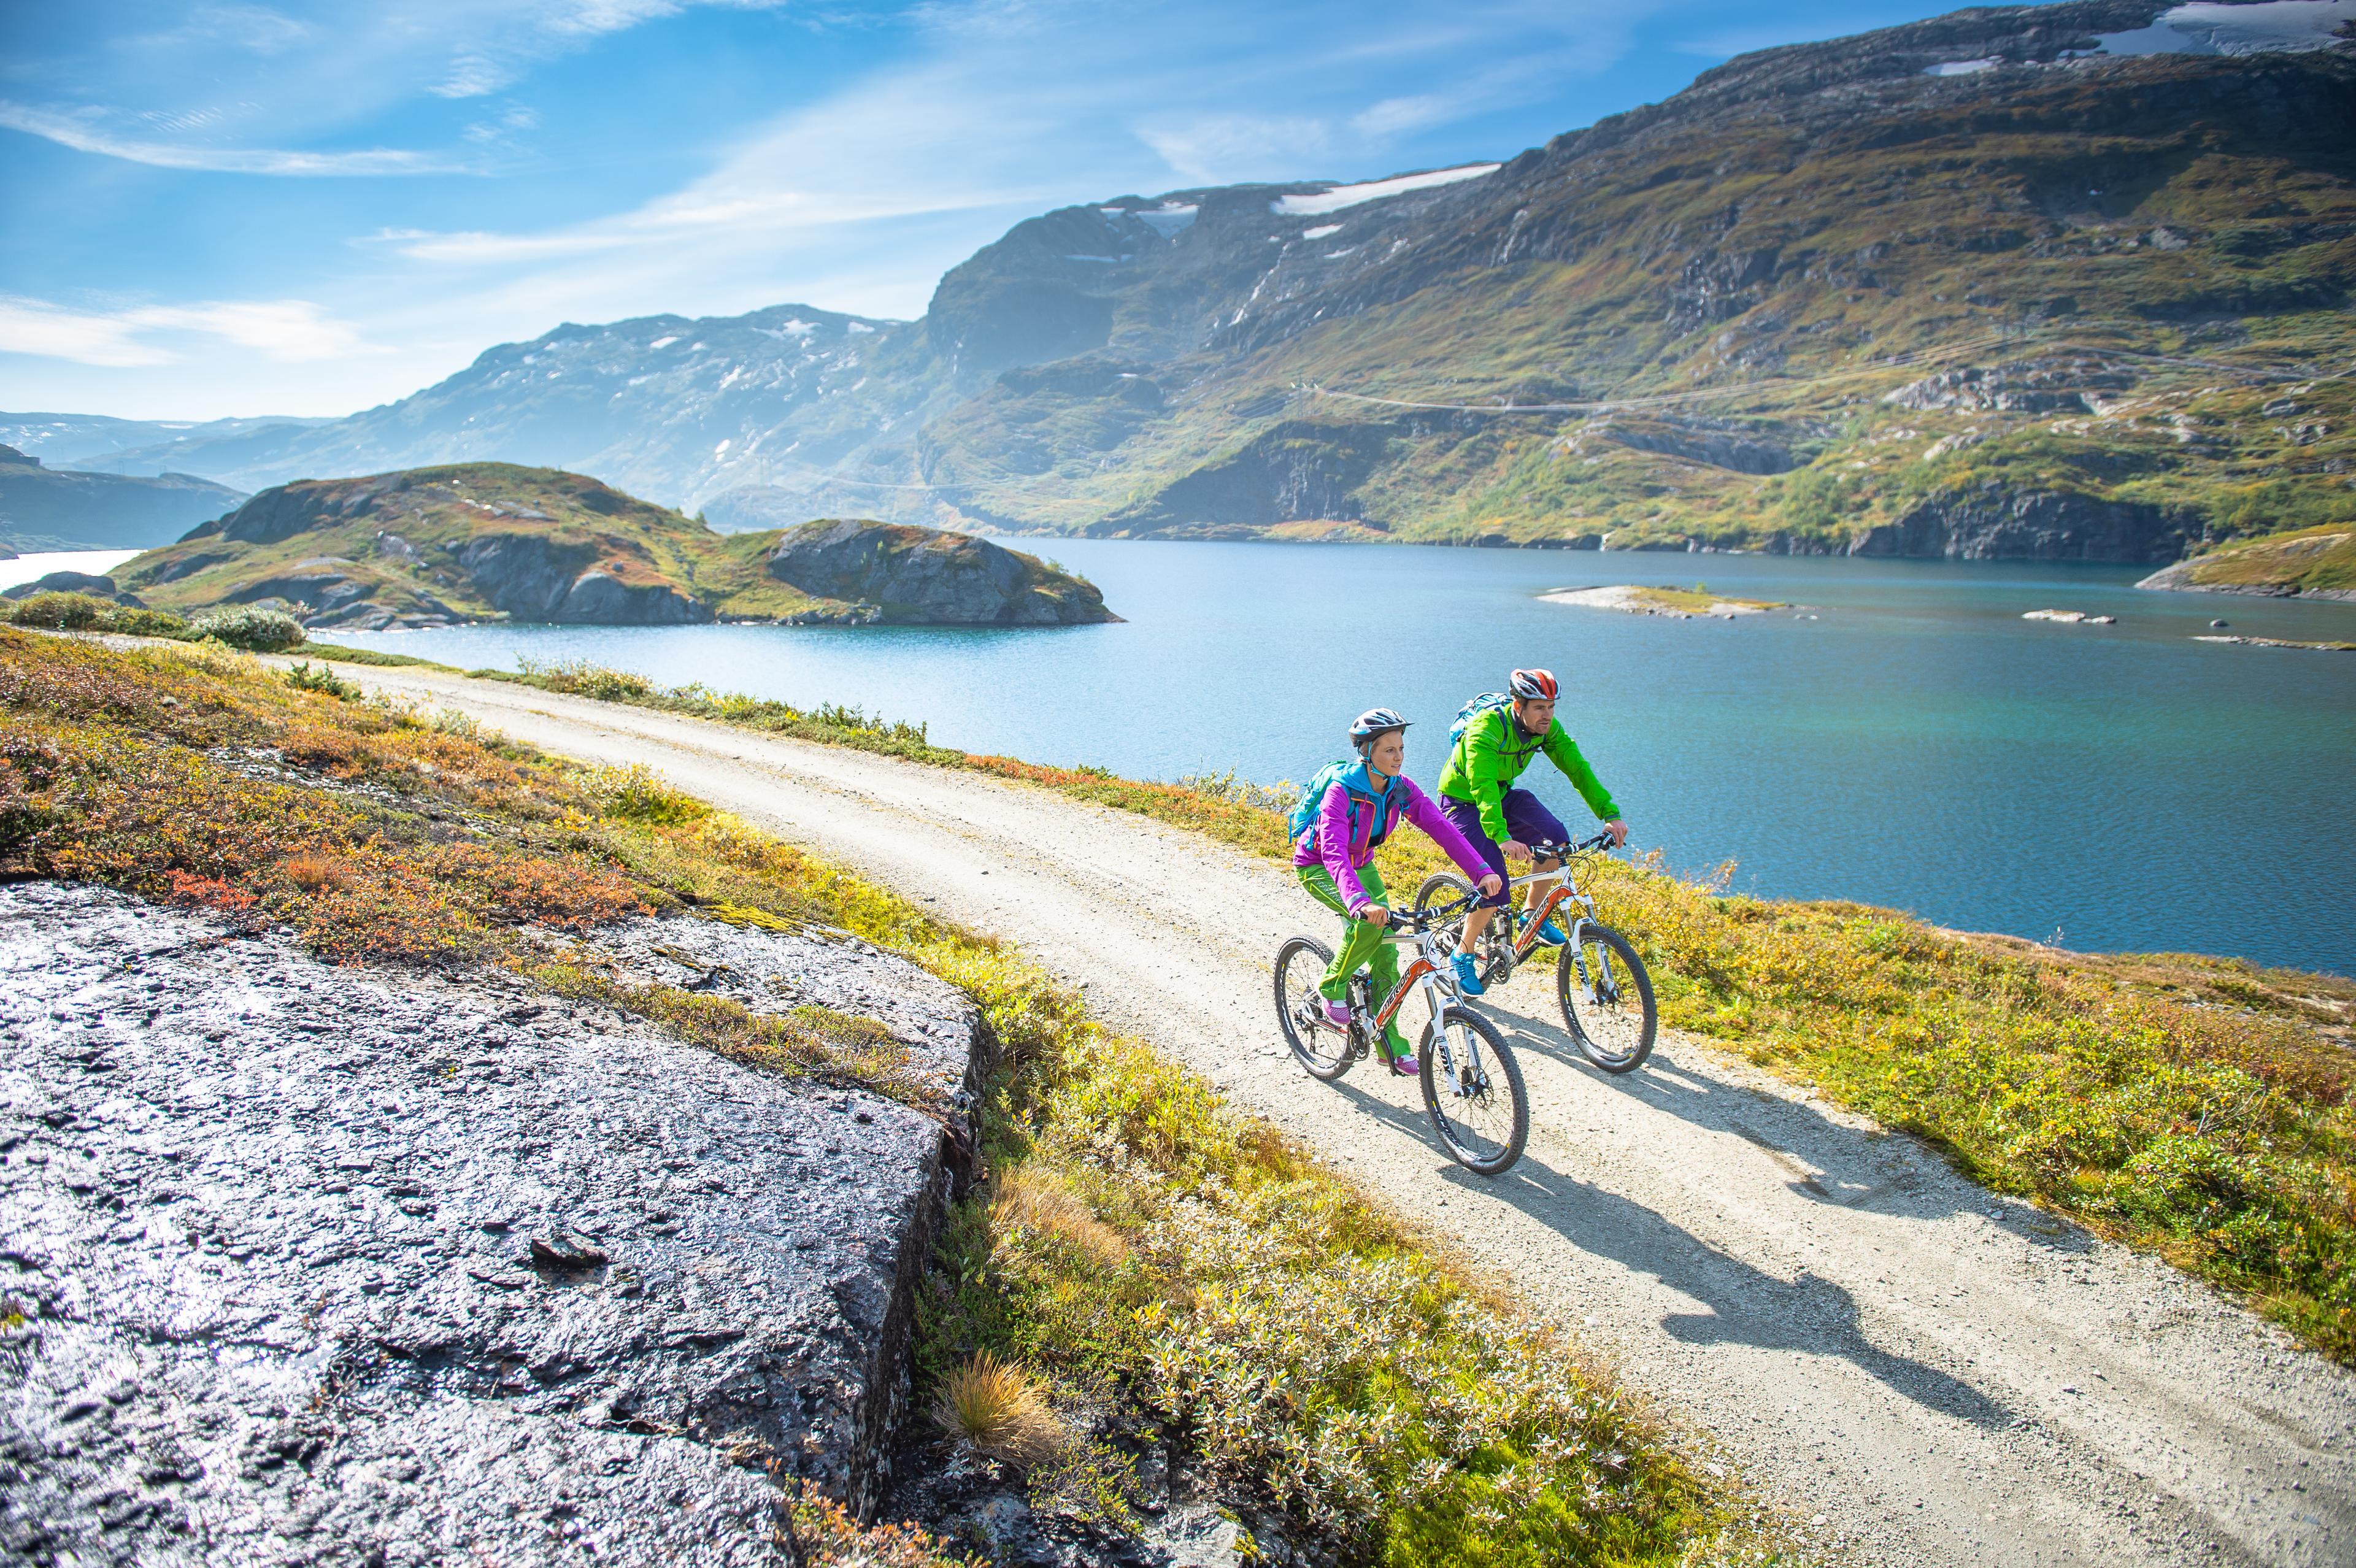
(1487, 702)
(1305, 809)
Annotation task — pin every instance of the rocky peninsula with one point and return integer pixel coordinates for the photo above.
(486, 541)
(2306, 563)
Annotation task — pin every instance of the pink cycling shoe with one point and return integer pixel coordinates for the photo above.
(1338, 1014)
(1406, 1066)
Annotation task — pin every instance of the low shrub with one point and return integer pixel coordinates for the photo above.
(256, 630)
(326, 682)
(88, 612)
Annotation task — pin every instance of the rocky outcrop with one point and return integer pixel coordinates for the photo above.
(534, 577)
(1994, 523)
(926, 576)
(1722, 443)
(1299, 471)
(75, 583)
(309, 1264)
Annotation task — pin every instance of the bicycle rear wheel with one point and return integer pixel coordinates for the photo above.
(1606, 999)
(1301, 964)
(1474, 1091)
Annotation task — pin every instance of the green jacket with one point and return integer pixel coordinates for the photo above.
(1494, 752)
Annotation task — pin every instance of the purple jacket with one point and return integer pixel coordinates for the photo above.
(1341, 848)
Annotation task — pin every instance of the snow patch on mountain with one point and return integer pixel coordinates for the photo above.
(1316, 204)
(2207, 28)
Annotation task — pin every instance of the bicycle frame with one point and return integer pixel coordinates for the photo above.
(1565, 891)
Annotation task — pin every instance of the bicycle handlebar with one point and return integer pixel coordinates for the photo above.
(1563, 851)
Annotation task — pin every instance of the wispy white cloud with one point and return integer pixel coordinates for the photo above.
(1213, 148)
(285, 331)
(84, 133)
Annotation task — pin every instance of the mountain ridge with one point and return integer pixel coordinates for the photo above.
(1782, 251)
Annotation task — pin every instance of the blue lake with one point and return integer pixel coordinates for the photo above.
(1908, 740)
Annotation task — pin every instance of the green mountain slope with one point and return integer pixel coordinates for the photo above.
(2051, 306)
(497, 541)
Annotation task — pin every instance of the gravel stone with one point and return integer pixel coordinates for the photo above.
(305, 1263)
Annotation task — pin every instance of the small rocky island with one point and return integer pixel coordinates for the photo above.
(496, 541)
(1683, 603)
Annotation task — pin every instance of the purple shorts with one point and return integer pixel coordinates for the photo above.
(1526, 818)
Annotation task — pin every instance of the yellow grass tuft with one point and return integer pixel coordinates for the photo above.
(1036, 1199)
(999, 1410)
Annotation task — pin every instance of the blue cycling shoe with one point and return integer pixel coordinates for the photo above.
(1552, 935)
(1468, 974)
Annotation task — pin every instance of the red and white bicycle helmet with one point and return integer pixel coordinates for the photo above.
(1534, 685)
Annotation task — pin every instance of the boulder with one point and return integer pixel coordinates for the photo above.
(311, 1264)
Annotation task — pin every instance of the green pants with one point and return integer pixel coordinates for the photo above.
(1361, 943)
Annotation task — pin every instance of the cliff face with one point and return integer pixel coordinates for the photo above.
(480, 541)
(2000, 524)
(921, 576)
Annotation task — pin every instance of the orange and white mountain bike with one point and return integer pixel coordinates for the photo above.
(1471, 1084)
(1606, 996)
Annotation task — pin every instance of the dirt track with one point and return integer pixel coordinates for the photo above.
(1943, 1377)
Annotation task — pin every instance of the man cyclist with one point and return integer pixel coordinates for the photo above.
(1334, 856)
(1476, 790)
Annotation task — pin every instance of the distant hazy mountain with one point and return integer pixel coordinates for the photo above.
(46, 509)
(68, 439)
(2062, 281)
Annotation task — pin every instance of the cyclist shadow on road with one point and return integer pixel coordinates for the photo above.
(1891, 1174)
(1745, 1305)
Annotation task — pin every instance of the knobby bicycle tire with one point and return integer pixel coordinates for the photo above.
(1502, 1090)
(1324, 1054)
(1608, 1043)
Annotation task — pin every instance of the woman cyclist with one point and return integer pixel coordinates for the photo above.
(1334, 858)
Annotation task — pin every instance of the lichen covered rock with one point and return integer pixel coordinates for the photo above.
(310, 1264)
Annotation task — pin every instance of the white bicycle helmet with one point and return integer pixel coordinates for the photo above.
(1374, 722)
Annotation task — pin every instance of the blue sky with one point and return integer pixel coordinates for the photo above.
(244, 209)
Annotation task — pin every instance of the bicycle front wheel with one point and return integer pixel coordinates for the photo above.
(1301, 964)
(1606, 999)
(1472, 1091)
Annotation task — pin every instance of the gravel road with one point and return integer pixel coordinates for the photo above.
(1932, 1375)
